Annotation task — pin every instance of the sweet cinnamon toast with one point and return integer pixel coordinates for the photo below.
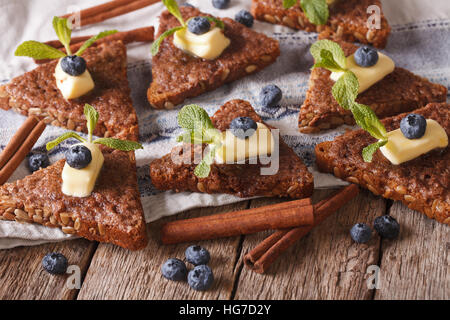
(244, 180)
(423, 184)
(35, 93)
(112, 213)
(398, 92)
(178, 75)
(347, 20)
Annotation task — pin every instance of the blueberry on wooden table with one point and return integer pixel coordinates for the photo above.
(243, 127)
(174, 269)
(197, 255)
(244, 17)
(78, 156)
(413, 126)
(270, 96)
(387, 227)
(38, 161)
(361, 233)
(55, 263)
(201, 278)
(198, 25)
(366, 56)
(73, 65)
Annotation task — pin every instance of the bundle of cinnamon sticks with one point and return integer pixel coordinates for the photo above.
(293, 220)
(19, 146)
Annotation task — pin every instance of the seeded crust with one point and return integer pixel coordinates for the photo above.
(178, 75)
(35, 93)
(244, 180)
(347, 20)
(400, 91)
(112, 213)
(423, 184)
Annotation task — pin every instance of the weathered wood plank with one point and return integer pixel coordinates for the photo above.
(416, 265)
(326, 264)
(22, 275)
(116, 273)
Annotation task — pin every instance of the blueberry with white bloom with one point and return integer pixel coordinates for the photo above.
(174, 269)
(201, 278)
(387, 227)
(243, 127)
(270, 96)
(78, 156)
(413, 126)
(199, 25)
(197, 255)
(38, 161)
(245, 18)
(73, 65)
(220, 4)
(55, 263)
(361, 233)
(366, 56)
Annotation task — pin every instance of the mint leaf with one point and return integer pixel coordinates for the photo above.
(217, 22)
(369, 151)
(50, 145)
(289, 3)
(203, 169)
(345, 90)
(63, 32)
(315, 10)
(92, 118)
(172, 7)
(90, 41)
(155, 45)
(38, 50)
(193, 117)
(335, 49)
(327, 61)
(368, 120)
(123, 145)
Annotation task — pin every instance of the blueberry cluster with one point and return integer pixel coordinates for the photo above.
(200, 278)
(386, 226)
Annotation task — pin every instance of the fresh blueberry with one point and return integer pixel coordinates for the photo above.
(270, 96)
(78, 156)
(413, 126)
(366, 57)
(38, 161)
(55, 263)
(200, 278)
(220, 4)
(387, 227)
(243, 127)
(361, 233)
(199, 25)
(197, 255)
(73, 65)
(174, 269)
(245, 18)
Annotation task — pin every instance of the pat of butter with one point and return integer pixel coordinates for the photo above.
(81, 182)
(367, 76)
(234, 149)
(208, 46)
(400, 149)
(73, 87)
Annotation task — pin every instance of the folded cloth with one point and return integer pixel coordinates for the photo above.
(419, 42)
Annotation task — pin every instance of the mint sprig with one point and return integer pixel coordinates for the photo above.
(315, 10)
(92, 118)
(329, 55)
(172, 7)
(39, 51)
(199, 130)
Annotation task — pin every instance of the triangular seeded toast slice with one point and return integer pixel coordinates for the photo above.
(244, 180)
(35, 93)
(178, 75)
(112, 213)
(400, 91)
(423, 184)
(347, 20)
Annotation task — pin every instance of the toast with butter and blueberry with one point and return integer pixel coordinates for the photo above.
(196, 53)
(92, 193)
(233, 137)
(387, 89)
(406, 158)
(57, 91)
(346, 20)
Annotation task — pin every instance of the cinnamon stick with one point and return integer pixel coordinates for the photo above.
(21, 152)
(110, 10)
(145, 34)
(282, 215)
(263, 255)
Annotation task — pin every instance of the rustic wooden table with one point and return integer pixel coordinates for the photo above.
(326, 264)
